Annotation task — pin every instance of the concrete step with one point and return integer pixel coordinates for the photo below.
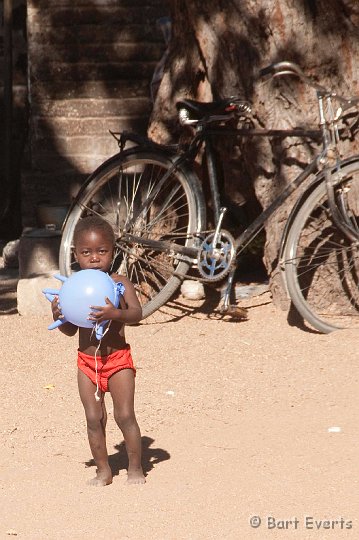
(21, 289)
(38, 252)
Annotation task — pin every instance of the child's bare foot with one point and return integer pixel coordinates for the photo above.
(102, 478)
(135, 476)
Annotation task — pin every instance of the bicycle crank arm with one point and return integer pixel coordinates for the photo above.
(161, 245)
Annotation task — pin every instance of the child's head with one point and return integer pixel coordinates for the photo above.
(94, 242)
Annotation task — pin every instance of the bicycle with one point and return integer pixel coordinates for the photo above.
(152, 196)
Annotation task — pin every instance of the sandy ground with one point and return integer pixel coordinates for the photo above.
(237, 423)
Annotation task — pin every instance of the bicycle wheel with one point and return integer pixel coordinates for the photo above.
(129, 192)
(321, 264)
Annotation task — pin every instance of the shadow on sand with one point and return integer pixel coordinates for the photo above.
(150, 457)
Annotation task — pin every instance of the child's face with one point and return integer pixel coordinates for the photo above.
(94, 250)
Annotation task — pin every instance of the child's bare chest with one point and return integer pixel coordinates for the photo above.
(113, 340)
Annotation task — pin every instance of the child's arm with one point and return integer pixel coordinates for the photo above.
(129, 312)
(67, 328)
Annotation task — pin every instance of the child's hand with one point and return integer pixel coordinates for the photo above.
(104, 313)
(56, 309)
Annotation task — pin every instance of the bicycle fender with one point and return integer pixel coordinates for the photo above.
(169, 153)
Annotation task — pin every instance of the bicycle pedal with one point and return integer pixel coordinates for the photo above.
(236, 312)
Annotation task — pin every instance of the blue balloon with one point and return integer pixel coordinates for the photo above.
(80, 291)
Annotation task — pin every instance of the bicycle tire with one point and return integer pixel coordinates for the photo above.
(321, 265)
(117, 190)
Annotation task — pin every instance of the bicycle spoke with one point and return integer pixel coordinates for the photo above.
(151, 262)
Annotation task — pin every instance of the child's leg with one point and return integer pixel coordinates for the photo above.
(122, 388)
(96, 418)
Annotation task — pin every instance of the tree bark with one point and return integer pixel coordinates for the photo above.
(216, 50)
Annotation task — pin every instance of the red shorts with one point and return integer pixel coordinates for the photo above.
(106, 366)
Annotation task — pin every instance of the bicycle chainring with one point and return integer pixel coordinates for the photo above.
(215, 262)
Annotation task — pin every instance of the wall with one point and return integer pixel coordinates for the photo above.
(11, 154)
(90, 66)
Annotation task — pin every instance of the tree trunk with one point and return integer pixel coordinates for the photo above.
(216, 50)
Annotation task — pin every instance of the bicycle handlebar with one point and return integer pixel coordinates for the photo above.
(290, 68)
(277, 66)
(278, 69)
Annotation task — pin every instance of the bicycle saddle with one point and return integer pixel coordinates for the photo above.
(223, 107)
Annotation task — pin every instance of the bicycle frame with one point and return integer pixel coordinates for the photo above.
(328, 161)
(204, 138)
